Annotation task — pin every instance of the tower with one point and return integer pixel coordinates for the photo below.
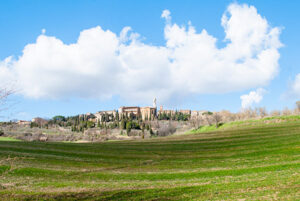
(154, 102)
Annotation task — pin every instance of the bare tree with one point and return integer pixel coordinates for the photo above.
(298, 106)
(227, 116)
(198, 121)
(208, 117)
(286, 112)
(295, 111)
(275, 113)
(217, 118)
(262, 112)
(4, 95)
(249, 113)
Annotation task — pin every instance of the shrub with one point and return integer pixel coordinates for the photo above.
(166, 129)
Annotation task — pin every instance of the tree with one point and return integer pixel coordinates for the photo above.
(227, 116)
(262, 112)
(33, 124)
(106, 118)
(58, 118)
(123, 124)
(298, 106)
(286, 112)
(131, 116)
(217, 118)
(248, 113)
(4, 95)
(198, 121)
(143, 127)
(207, 116)
(128, 127)
(90, 124)
(117, 116)
(275, 113)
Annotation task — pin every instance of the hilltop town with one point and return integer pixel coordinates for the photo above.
(148, 113)
(143, 113)
(126, 122)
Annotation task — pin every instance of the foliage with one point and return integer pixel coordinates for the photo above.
(178, 116)
(58, 118)
(9, 139)
(33, 124)
(247, 123)
(128, 127)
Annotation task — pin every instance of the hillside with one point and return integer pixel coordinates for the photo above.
(260, 162)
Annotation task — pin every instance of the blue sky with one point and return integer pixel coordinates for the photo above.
(22, 22)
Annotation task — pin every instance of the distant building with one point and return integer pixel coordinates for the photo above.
(110, 115)
(23, 122)
(185, 111)
(148, 113)
(133, 111)
(169, 112)
(40, 121)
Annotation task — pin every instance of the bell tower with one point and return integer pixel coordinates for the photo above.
(154, 102)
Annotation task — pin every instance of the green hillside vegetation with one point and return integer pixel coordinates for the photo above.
(251, 162)
(247, 123)
(8, 139)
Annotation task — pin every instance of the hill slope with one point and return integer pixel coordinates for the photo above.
(252, 163)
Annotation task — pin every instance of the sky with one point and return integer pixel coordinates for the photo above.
(73, 57)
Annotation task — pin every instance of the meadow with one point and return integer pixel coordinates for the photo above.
(257, 162)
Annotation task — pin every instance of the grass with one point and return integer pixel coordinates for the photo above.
(251, 162)
(8, 139)
(247, 123)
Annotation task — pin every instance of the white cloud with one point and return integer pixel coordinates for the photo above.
(6, 74)
(101, 64)
(166, 14)
(294, 90)
(254, 97)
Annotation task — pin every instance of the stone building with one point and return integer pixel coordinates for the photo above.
(148, 113)
(129, 111)
(169, 112)
(145, 113)
(185, 111)
(24, 123)
(139, 112)
(101, 115)
(40, 121)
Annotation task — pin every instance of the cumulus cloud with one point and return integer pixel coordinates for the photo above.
(102, 64)
(254, 97)
(166, 14)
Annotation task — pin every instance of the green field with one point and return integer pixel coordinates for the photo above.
(259, 162)
(8, 139)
